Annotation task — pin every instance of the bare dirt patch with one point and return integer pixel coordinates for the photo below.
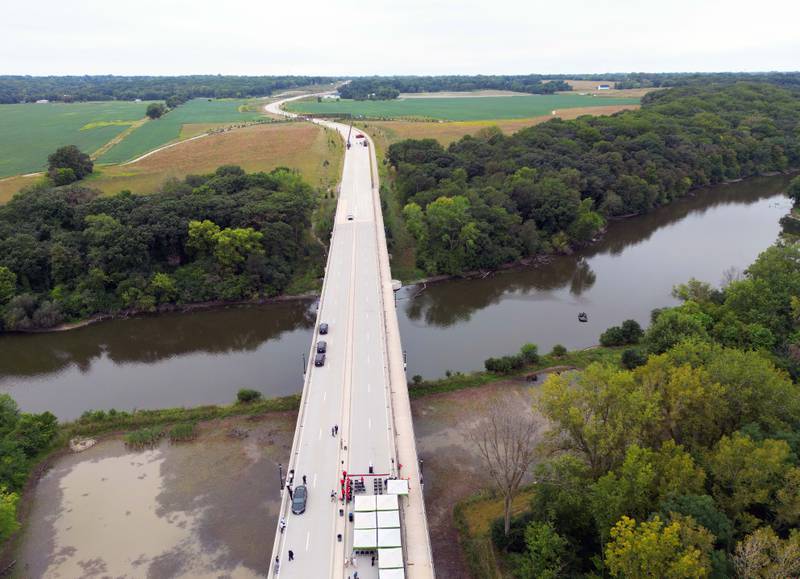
(452, 466)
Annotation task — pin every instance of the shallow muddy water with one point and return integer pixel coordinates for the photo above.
(201, 509)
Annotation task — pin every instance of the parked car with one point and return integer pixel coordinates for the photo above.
(299, 500)
(319, 360)
(323, 328)
(349, 216)
(322, 347)
(359, 136)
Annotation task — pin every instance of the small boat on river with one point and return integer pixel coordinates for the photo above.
(582, 317)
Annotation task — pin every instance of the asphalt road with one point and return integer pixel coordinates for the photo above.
(350, 390)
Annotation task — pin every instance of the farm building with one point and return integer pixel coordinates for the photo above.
(603, 87)
(42, 102)
(330, 97)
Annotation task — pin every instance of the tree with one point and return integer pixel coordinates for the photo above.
(748, 474)
(763, 555)
(679, 549)
(156, 110)
(597, 415)
(69, 157)
(8, 513)
(632, 358)
(544, 554)
(506, 442)
(672, 326)
(8, 284)
(794, 190)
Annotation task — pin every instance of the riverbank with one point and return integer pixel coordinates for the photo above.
(434, 415)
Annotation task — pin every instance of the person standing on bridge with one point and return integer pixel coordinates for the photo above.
(291, 555)
(304, 479)
(335, 429)
(282, 525)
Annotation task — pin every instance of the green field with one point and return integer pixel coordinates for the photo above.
(459, 108)
(30, 132)
(153, 134)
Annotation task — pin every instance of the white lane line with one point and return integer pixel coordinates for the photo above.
(324, 395)
(308, 539)
(320, 434)
(369, 387)
(314, 484)
(370, 423)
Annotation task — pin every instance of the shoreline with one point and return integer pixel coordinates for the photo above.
(166, 309)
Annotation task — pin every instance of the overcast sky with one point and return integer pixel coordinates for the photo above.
(360, 37)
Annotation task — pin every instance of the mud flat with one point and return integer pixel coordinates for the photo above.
(206, 508)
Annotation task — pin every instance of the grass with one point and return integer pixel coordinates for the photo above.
(183, 432)
(474, 517)
(30, 132)
(144, 438)
(459, 381)
(161, 131)
(100, 421)
(458, 108)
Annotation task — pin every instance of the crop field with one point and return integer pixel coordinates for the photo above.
(30, 132)
(459, 108)
(314, 151)
(387, 132)
(154, 134)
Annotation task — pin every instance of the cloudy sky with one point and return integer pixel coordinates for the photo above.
(359, 37)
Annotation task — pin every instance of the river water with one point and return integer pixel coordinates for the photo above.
(205, 357)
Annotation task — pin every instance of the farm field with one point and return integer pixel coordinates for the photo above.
(387, 132)
(300, 146)
(459, 108)
(159, 132)
(30, 132)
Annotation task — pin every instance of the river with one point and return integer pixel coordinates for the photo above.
(204, 357)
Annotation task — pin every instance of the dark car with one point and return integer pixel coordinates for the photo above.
(319, 360)
(322, 347)
(323, 328)
(299, 499)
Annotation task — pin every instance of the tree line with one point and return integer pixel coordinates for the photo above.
(491, 198)
(67, 253)
(18, 89)
(685, 463)
(390, 87)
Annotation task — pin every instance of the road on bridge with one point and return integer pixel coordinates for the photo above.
(352, 391)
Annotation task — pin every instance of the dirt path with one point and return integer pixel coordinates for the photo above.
(124, 134)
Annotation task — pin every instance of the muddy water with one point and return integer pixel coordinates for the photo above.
(457, 325)
(202, 509)
(204, 357)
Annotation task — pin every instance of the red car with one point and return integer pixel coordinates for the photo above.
(359, 136)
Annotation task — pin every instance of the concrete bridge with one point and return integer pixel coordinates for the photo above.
(354, 437)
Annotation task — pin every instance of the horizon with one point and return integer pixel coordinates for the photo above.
(419, 38)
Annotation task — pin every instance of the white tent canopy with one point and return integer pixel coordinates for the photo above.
(365, 539)
(365, 503)
(389, 538)
(365, 520)
(392, 574)
(390, 558)
(397, 487)
(386, 502)
(388, 519)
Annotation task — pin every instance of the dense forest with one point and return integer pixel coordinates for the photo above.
(492, 198)
(67, 254)
(687, 464)
(389, 87)
(18, 89)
